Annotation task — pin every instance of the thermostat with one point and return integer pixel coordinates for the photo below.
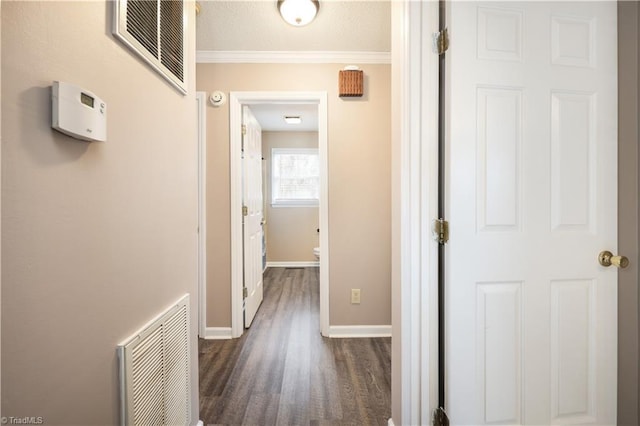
(78, 112)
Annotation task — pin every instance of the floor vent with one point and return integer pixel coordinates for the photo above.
(155, 371)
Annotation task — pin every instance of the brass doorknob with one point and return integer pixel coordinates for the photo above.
(606, 258)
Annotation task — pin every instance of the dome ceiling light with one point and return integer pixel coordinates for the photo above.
(298, 12)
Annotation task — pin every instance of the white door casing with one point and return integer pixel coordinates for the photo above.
(236, 102)
(201, 103)
(532, 196)
(253, 214)
(414, 206)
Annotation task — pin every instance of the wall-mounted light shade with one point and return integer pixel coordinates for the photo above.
(351, 83)
(298, 12)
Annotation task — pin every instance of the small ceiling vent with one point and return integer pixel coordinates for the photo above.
(155, 30)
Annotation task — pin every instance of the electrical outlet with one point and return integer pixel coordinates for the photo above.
(355, 296)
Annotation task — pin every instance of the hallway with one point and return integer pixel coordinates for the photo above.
(282, 371)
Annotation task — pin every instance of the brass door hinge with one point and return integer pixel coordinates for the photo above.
(245, 293)
(441, 39)
(244, 129)
(441, 231)
(245, 211)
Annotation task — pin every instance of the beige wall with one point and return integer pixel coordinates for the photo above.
(98, 238)
(359, 185)
(291, 232)
(628, 355)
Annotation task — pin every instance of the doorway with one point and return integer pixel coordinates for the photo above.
(414, 322)
(413, 410)
(236, 102)
(533, 143)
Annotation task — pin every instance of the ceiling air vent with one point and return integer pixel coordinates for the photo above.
(155, 30)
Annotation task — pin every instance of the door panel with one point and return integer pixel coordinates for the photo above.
(532, 187)
(252, 221)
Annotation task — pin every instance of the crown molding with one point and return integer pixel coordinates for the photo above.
(290, 57)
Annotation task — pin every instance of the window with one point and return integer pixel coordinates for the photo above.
(295, 177)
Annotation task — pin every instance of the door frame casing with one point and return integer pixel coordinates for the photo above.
(201, 100)
(236, 101)
(415, 200)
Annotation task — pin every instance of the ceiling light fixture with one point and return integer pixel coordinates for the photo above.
(298, 12)
(292, 119)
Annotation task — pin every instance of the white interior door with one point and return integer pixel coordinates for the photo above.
(532, 190)
(252, 214)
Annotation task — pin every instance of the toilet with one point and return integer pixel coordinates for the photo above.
(316, 252)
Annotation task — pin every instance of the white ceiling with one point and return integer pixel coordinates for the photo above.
(347, 25)
(340, 26)
(271, 117)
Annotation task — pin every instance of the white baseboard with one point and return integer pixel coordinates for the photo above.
(293, 264)
(217, 333)
(390, 422)
(344, 331)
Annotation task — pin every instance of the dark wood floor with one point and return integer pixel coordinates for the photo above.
(282, 371)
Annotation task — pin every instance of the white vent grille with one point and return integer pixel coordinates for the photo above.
(155, 30)
(155, 371)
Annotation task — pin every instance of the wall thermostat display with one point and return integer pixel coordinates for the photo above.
(78, 113)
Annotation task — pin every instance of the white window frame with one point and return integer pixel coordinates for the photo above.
(299, 202)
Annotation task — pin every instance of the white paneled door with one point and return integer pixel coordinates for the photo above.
(252, 214)
(532, 195)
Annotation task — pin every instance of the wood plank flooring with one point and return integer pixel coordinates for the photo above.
(283, 372)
